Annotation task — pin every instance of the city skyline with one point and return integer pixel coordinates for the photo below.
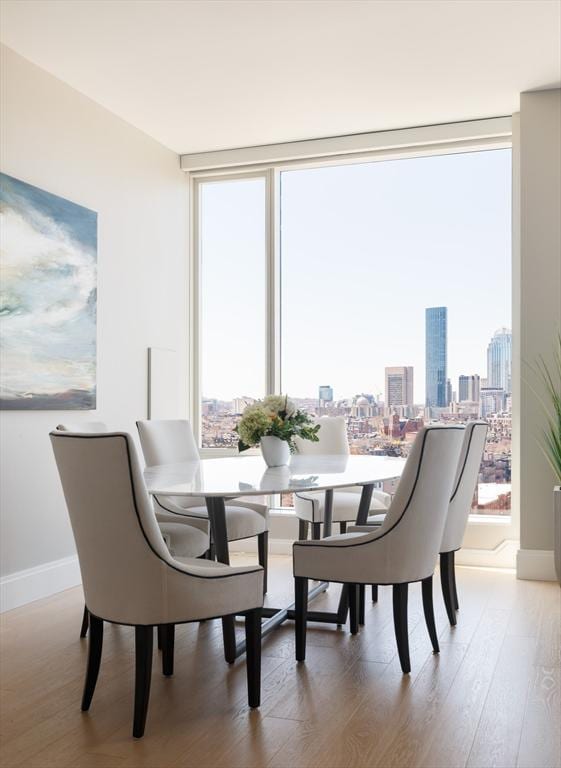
(469, 385)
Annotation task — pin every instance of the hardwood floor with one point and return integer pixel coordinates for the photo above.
(491, 698)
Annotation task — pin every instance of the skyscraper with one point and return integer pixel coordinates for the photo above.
(449, 394)
(468, 388)
(399, 386)
(325, 393)
(436, 332)
(499, 360)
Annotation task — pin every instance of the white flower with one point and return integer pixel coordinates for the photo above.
(278, 403)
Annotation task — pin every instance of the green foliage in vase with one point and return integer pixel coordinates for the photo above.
(550, 376)
(275, 416)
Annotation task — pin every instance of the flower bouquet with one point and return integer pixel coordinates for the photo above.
(273, 423)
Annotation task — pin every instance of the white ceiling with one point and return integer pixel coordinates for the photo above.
(213, 75)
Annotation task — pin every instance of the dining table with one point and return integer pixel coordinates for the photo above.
(219, 480)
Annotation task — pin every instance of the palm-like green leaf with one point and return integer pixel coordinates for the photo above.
(550, 377)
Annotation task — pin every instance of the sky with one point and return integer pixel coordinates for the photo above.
(365, 249)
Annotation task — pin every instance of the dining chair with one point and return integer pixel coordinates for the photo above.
(459, 507)
(403, 550)
(128, 573)
(172, 441)
(181, 540)
(309, 506)
(458, 511)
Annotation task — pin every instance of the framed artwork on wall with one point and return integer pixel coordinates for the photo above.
(48, 261)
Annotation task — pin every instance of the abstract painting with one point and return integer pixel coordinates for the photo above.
(48, 260)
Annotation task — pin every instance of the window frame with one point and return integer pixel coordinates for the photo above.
(495, 526)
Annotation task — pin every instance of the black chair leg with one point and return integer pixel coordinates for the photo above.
(168, 645)
(374, 593)
(446, 576)
(94, 660)
(301, 616)
(263, 553)
(429, 612)
(85, 622)
(353, 607)
(361, 603)
(316, 531)
(453, 569)
(160, 636)
(342, 527)
(253, 656)
(144, 639)
(302, 530)
(400, 592)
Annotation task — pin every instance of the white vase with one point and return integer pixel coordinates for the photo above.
(276, 452)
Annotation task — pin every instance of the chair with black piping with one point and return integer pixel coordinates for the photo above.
(128, 573)
(182, 540)
(404, 549)
(172, 441)
(309, 506)
(459, 508)
(458, 511)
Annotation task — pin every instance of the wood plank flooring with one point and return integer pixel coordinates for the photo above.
(491, 699)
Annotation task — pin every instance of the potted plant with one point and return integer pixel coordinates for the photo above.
(273, 423)
(551, 380)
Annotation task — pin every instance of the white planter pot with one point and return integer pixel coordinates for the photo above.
(276, 452)
(557, 530)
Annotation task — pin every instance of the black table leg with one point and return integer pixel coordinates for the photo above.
(364, 506)
(216, 508)
(361, 519)
(328, 512)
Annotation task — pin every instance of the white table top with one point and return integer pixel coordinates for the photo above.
(249, 475)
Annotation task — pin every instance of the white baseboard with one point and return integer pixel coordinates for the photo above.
(43, 580)
(276, 546)
(536, 565)
(501, 556)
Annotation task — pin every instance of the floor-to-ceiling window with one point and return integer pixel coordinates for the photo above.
(232, 304)
(389, 302)
(396, 294)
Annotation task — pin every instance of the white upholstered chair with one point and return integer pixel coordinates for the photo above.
(172, 441)
(128, 573)
(404, 549)
(309, 506)
(181, 540)
(459, 509)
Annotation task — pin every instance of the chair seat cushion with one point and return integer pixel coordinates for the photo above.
(376, 519)
(241, 522)
(183, 540)
(309, 505)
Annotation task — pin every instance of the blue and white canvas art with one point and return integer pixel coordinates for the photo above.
(48, 260)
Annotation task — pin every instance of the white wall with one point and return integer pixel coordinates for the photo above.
(57, 139)
(537, 284)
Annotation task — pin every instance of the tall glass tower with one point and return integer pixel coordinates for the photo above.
(499, 360)
(436, 335)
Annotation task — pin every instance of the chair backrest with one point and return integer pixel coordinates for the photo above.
(465, 483)
(415, 521)
(83, 427)
(332, 438)
(167, 441)
(120, 548)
